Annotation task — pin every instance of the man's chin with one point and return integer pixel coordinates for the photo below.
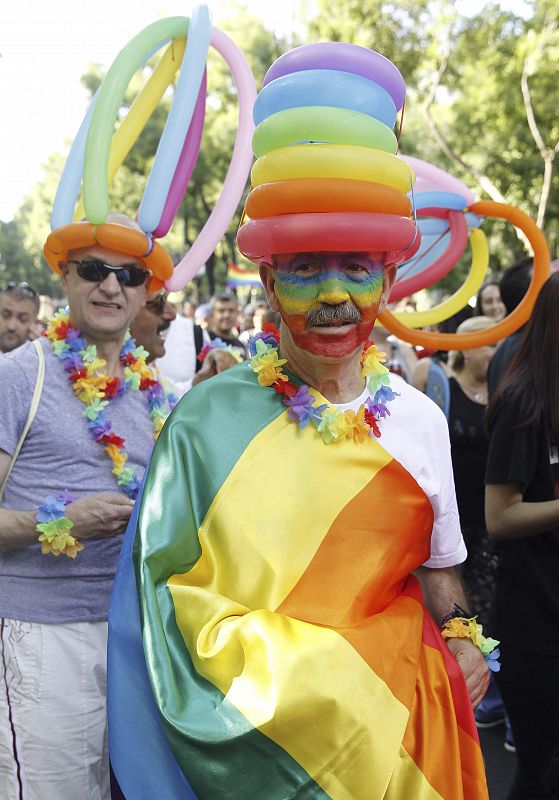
(332, 341)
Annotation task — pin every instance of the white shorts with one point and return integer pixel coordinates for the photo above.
(53, 724)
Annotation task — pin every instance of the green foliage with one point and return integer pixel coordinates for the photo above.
(466, 70)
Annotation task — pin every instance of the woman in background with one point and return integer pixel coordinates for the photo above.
(489, 303)
(522, 514)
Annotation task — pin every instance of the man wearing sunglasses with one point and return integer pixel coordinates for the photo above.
(85, 452)
(19, 306)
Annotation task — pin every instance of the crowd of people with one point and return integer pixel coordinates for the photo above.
(54, 618)
(331, 557)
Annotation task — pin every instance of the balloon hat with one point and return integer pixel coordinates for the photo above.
(98, 151)
(449, 219)
(327, 177)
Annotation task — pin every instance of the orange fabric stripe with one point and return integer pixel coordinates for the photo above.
(340, 587)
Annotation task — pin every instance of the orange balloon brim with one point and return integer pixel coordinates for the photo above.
(513, 321)
(315, 195)
(113, 236)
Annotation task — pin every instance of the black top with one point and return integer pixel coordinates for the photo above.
(469, 444)
(526, 606)
(501, 360)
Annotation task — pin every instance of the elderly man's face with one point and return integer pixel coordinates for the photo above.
(102, 309)
(329, 301)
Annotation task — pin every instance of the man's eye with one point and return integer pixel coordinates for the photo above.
(304, 268)
(355, 268)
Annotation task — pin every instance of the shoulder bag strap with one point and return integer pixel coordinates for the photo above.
(38, 390)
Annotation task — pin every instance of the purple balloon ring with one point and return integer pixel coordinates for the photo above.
(346, 58)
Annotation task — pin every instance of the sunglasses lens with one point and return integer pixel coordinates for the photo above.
(131, 276)
(97, 272)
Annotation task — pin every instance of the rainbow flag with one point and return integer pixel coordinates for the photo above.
(240, 276)
(267, 638)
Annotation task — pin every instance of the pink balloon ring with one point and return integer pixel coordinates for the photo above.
(238, 171)
(186, 163)
(442, 265)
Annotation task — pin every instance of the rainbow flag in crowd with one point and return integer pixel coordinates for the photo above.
(241, 276)
(267, 638)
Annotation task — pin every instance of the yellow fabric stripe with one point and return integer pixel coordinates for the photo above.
(253, 515)
(409, 782)
(347, 745)
(243, 647)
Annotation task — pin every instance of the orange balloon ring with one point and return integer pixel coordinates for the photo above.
(512, 322)
(119, 238)
(308, 195)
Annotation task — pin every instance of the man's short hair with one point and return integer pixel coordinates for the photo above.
(223, 297)
(515, 281)
(21, 291)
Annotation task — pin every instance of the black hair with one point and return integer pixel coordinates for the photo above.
(515, 281)
(532, 378)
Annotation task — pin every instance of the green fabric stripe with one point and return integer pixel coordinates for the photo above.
(219, 751)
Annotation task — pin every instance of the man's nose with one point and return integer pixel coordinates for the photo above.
(110, 285)
(333, 291)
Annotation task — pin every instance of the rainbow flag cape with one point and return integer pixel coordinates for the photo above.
(240, 276)
(267, 638)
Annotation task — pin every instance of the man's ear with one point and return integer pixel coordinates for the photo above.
(268, 278)
(389, 279)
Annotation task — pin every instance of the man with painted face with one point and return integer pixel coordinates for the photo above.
(299, 630)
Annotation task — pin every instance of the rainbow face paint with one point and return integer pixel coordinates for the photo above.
(309, 281)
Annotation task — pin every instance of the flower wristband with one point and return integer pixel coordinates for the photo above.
(54, 527)
(457, 625)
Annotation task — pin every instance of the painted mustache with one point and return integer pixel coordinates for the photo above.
(342, 314)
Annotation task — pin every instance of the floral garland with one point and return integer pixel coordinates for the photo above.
(95, 389)
(333, 424)
(218, 344)
(459, 625)
(54, 526)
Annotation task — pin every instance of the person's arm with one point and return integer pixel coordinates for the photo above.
(96, 516)
(442, 589)
(507, 516)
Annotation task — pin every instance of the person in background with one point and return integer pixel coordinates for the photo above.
(188, 309)
(522, 514)
(513, 286)
(430, 374)
(489, 303)
(223, 320)
(202, 315)
(19, 307)
(151, 325)
(467, 386)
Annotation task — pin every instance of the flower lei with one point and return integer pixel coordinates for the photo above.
(458, 625)
(54, 526)
(95, 389)
(218, 344)
(333, 424)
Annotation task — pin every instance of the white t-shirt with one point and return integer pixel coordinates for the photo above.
(178, 365)
(416, 435)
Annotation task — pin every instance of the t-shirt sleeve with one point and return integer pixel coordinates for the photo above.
(15, 398)
(447, 543)
(512, 446)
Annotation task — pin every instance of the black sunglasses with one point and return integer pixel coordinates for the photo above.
(157, 303)
(97, 272)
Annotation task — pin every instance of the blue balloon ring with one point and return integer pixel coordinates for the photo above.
(325, 87)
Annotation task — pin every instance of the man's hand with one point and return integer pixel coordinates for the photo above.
(100, 515)
(472, 663)
(217, 360)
